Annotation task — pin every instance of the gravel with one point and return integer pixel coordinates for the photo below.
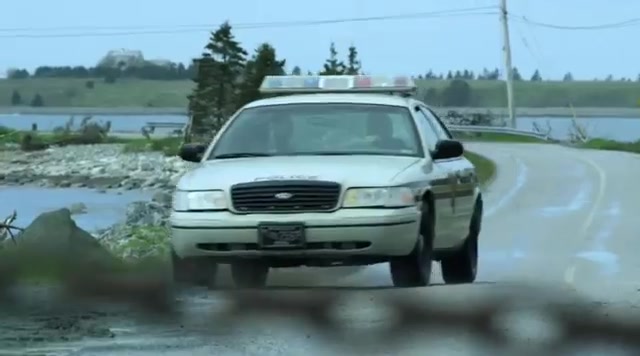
(101, 167)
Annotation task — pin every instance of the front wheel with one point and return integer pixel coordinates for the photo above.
(199, 271)
(414, 270)
(462, 266)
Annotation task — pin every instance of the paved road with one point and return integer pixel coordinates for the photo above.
(555, 217)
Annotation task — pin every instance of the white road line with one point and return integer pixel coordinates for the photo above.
(599, 197)
(569, 275)
(521, 179)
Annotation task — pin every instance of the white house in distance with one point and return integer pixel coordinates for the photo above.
(123, 58)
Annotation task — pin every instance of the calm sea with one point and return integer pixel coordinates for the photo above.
(620, 129)
(103, 209)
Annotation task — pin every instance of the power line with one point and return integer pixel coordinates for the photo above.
(613, 25)
(145, 30)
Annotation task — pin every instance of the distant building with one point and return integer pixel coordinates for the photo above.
(122, 58)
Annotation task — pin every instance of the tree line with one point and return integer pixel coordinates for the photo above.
(180, 71)
(148, 71)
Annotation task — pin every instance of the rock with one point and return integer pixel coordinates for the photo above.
(146, 166)
(98, 171)
(146, 213)
(143, 233)
(162, 198)
(53, 237)
(77, 208)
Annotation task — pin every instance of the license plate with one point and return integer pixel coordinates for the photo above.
(281, 235)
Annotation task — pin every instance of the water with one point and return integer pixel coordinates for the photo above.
(103, 209)
(619, 129)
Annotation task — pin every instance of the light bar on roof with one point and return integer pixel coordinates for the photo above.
(291, 84)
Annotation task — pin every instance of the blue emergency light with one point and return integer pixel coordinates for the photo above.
(291, 84)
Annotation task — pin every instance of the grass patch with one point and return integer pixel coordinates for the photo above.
(495, 137)
(610, 145)
(139, 242)
(169, 146)
(73, 92)
(485, 168)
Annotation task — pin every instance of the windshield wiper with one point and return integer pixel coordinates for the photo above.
(241, 154)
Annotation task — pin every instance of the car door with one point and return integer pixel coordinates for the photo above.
(443, 184)
(464, 171)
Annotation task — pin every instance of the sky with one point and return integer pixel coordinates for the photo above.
(70, 32)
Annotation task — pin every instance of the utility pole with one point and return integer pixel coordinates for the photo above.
(507, 62)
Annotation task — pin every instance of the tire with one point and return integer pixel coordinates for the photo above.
(414, 270)
(462, 266)
(249, 274)
(194, 271)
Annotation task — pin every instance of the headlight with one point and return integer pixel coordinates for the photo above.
(203, 200)
(378, 197)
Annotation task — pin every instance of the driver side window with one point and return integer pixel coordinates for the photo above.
(429, 134)
(438, 126)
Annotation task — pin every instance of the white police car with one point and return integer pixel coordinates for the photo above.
(339, 172)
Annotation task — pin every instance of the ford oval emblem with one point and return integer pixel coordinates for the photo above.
(283, 196)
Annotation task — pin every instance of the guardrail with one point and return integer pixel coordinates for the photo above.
(497, 130)
(178, 127)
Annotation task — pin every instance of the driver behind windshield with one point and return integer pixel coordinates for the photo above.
(380, 126)
(281, 130)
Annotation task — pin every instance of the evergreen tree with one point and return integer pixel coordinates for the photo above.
(264, 62)
(333, 66)
(353, 63)
(37, 101)
(16, 98)
(516, 74)
(219, 71)
(536, 76)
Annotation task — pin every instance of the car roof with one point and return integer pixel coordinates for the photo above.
(359, 98)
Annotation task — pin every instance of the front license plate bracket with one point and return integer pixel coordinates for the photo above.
(281, 236)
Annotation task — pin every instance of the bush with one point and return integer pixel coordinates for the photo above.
(32, 142)
(169, 146)
(37, 101)
(88, 133)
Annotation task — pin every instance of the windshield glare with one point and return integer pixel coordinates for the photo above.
(316, 129)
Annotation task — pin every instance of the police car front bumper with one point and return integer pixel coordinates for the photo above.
(346, 232)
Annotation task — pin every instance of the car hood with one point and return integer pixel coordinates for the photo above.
(346, 170)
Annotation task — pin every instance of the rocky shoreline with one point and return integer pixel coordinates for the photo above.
(105, 167)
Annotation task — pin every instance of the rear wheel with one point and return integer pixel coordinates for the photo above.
(190, 271)
(249, 274)
(414, 270)
(462, 266)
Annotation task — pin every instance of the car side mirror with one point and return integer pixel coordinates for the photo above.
(448, 149)
(192, 152)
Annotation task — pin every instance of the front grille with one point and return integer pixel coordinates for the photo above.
(285, 196)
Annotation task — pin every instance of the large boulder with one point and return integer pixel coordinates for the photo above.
(53, 241)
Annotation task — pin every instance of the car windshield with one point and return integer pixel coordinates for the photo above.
(320, 129)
